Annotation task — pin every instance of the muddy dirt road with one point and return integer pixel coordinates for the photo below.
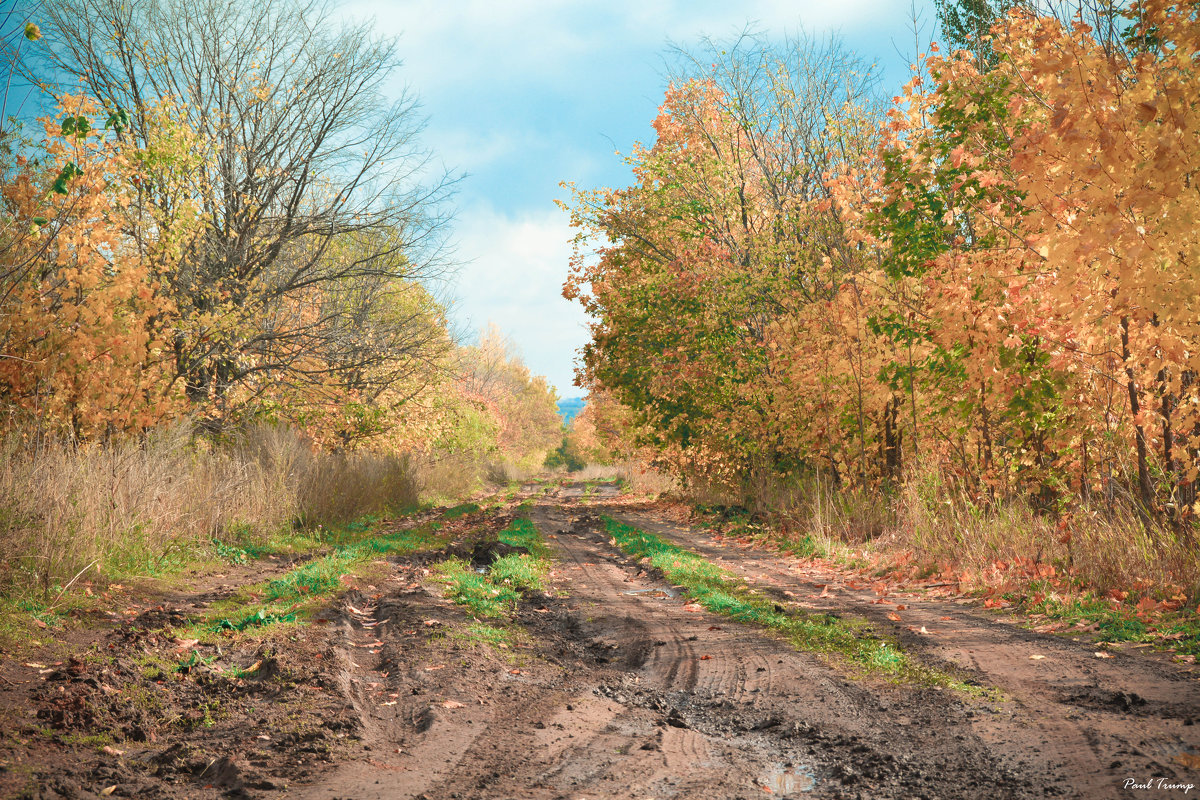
(616, 687)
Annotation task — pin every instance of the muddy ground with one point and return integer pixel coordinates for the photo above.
(616, 688)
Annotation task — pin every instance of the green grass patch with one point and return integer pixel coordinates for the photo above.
(522, 532)
(460, 510)
(1088, 614)
(309, 585)
(724, 593)
(237, 553)
(521, 572)
(490, 635)
(494, 593)
(466, 587)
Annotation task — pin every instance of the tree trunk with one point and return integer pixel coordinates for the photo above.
(1145, 489)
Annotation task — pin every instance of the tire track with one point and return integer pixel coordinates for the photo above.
(1069, 711)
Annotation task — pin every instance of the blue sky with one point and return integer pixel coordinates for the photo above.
(523, 94)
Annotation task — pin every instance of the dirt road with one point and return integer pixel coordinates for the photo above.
(619, 688)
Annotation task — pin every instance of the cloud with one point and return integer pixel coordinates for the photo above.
(519, 261)
(471, 42)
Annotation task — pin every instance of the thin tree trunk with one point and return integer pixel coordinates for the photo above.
(1145, 490)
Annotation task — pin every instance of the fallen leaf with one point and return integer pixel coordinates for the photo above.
(1036, 657)
(432, 667)
(946, 619)
(1189, 760)
(186, 644)
(112, 751)
(901, 608)
(514, 672)
(927, 633)
(824, 591)
(389, 703)
(705, 658)
(108, 791)
(893, 616)
(715, 628)
(453, 704)
(429, 623)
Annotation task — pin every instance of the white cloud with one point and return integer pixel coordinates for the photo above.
(516, 266)
(455, 42)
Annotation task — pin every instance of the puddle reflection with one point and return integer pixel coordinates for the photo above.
(786, 781)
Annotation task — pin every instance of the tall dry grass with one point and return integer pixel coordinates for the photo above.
(1103, 546)
(933, 521)
(128, 507)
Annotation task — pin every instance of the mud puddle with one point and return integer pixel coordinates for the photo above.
(787, 781)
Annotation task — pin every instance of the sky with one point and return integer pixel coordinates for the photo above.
(522, 95)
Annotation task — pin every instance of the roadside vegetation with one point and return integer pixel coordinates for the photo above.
(950, 329)
(182, 379)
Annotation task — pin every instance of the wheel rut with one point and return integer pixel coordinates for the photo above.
(1093, 722)
(626, 689)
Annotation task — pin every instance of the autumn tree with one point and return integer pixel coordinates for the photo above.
(83, 324)
(311, 184)
(521, 407)
(728, 229)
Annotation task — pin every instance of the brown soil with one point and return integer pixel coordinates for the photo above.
(617, 689)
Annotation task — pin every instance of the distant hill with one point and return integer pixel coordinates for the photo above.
(569, 407)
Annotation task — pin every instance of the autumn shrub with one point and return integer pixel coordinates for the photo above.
(642, 479)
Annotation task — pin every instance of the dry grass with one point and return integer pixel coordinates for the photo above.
(931, 521)
(450, 477)
(598, 472)
(641, 479)
(1104, 548)
(132, 507)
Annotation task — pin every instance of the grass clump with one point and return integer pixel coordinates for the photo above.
(493, 593)
(490, 635)
(722, 592)
(522, 532)
(237, 553)
(464, 586)
(460, 510)
(522, 572)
